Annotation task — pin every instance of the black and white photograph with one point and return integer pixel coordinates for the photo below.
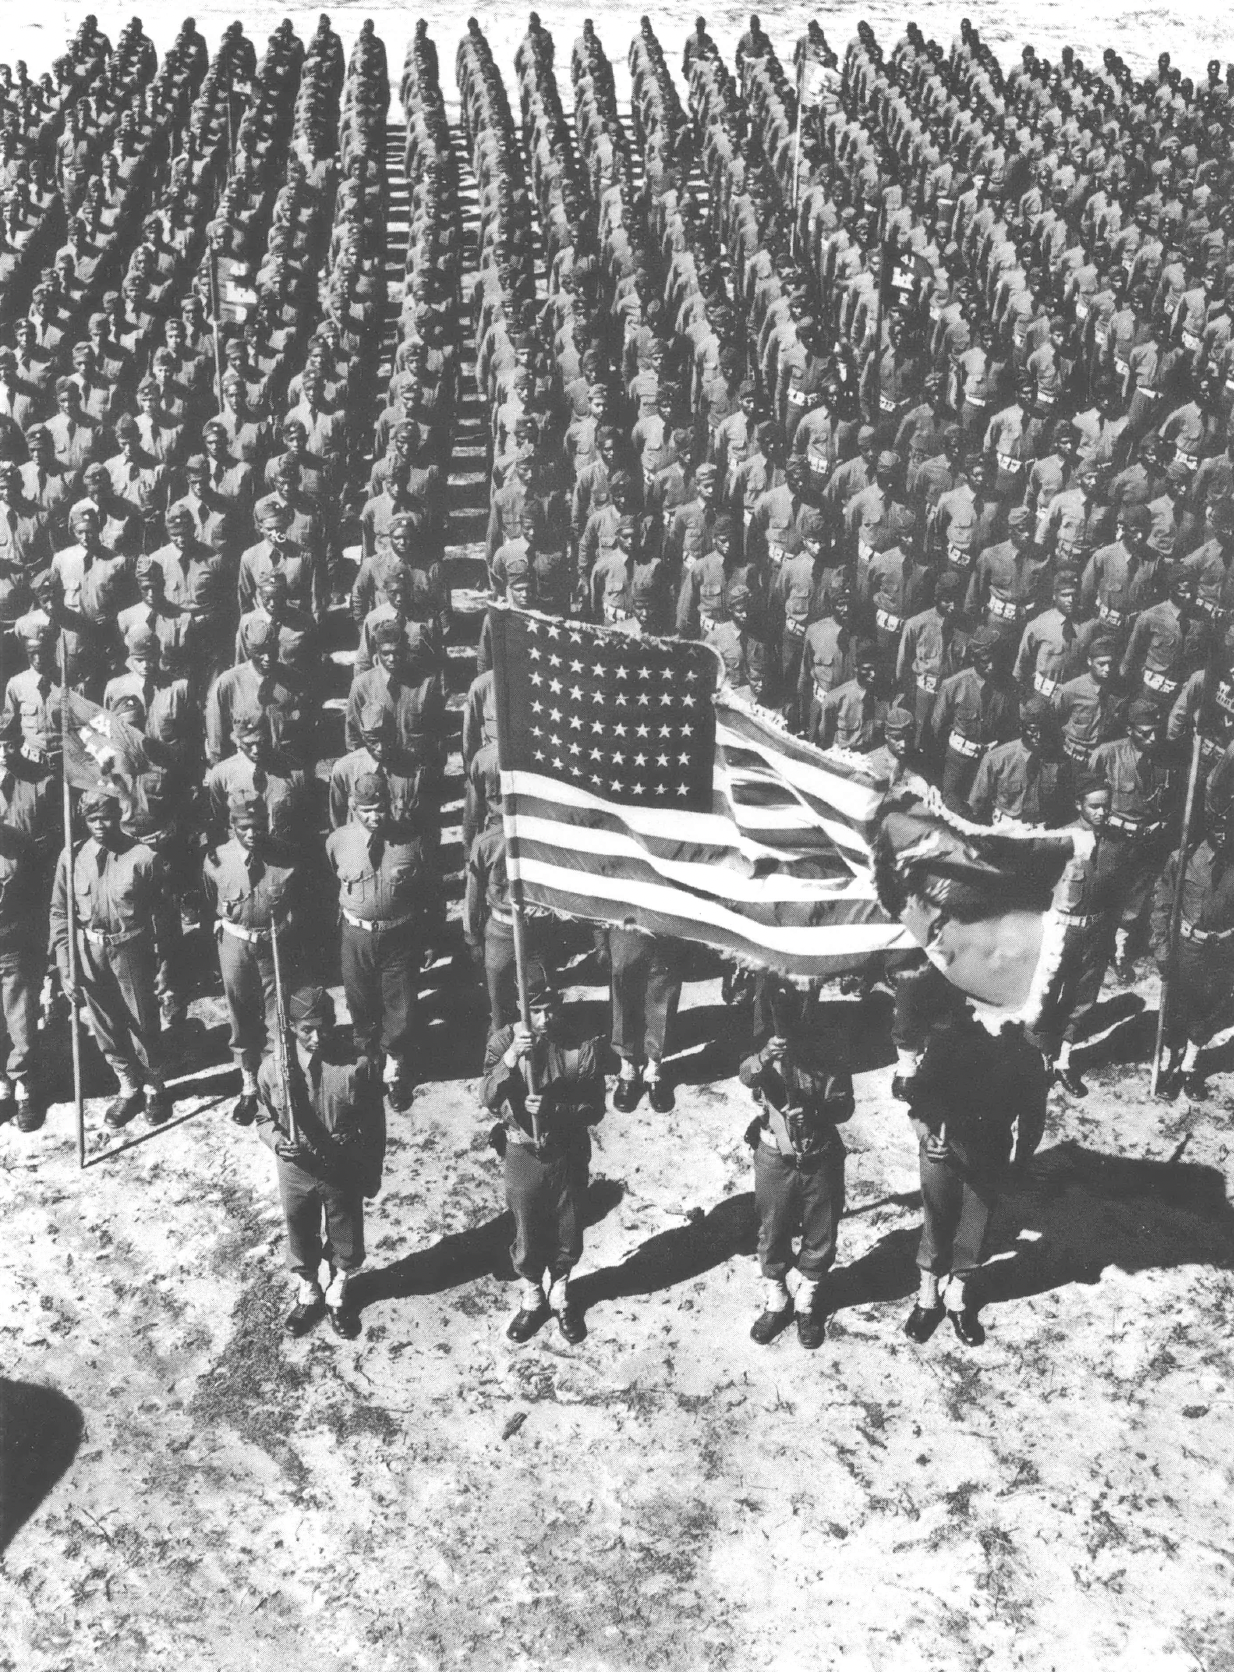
(616, 838)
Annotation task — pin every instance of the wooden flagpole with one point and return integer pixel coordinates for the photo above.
(70, 898)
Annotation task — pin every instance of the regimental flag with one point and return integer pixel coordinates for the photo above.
(638, 793)
(102, 750)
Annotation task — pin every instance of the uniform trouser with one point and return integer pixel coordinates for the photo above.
(248, 986)
(1143, 412)
(381, 980)
(957, 1205)
(922, 705)
(546, 1195)
(791, 647)
(1201, 1000)
(21, 974)
(789, 1197)
(1140, 865)
(1081, 971)
(500, 974)
(645, 974)
(117, 983)
(307, 1201)
(959, 775)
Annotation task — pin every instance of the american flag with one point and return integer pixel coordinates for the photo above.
(638, 793)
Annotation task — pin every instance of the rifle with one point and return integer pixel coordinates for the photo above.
(282, 1062)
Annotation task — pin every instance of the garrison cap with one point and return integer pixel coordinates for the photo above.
(99, 800)
(370, 790)
(310, 1007)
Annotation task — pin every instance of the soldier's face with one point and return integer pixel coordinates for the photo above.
(1101, 667)
(1095, 808)
(309, 1037)
(375, 743)
(542, 1016)
(391, 657)
(371, 816)
(246, 831)
(1144, 735)
(263, 660)
(103, 823)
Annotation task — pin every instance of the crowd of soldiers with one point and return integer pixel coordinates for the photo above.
(914, 403)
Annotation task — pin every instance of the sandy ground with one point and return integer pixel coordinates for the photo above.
(667, 1494)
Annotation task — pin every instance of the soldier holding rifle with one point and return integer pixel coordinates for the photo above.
(323, 1119)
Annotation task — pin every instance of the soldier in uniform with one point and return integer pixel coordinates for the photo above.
(1201, 997)
(975, 708)
(251, 882)
(964, 1129)
(546, 1094)
(328, 1169)
(1088, 906)
(1141, 790)
(21, 973)
(798, 1178)
(390, 906)
(127, 935)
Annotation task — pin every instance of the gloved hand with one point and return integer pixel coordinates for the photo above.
(497, 1138)
(754, 1132)
(299, 1154)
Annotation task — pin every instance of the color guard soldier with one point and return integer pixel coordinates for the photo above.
(798, 1178)
(544, 1141)
(964, 1127)
(326, 1172)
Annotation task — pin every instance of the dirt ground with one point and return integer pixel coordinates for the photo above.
(667, 1494)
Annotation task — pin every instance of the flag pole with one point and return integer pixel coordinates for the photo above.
(797, 159)
(507, 813)
(70, 898)
(1176, 907)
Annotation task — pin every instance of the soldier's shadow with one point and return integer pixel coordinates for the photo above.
(676, 1256)
(40, 1431)
(1073, 1214)
(466, 1256)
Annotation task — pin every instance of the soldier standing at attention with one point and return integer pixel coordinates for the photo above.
(389, 901)
(127, 931)
(1201, 1001)
(21, 974)
(251, 882)
(546, 1148)
(332, 1165)
(798, 1178)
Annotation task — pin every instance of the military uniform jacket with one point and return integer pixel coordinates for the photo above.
(802, 1103)
(1208, 903)
(571, 1082)
(1014, 783)
(19, 893)
(341, 1120)
(961, 1079)
(252, 890)
(123, 894)
(1139, 786)
(384, 879)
